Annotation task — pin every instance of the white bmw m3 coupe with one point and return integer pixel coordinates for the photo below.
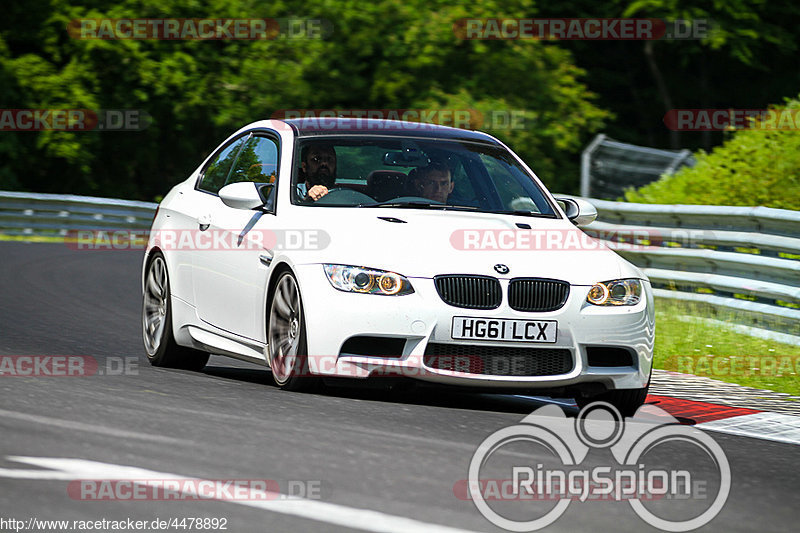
(329, 248)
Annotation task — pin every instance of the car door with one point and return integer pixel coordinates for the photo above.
(185, 215)
(230, 272)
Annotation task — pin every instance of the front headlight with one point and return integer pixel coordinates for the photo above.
(616, 292)
(367, 280)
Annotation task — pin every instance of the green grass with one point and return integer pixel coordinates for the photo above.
(31, 238)
(717, 352)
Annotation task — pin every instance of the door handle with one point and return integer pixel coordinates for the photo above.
(204, 221)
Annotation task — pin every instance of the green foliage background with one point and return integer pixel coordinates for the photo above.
(383, 54)
(753, 167)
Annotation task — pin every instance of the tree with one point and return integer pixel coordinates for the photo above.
(389, 54)
(759, 166)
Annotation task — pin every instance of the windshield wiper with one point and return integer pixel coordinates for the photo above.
(521, 212)
(447, 207)
(423, 205)
(399, 204)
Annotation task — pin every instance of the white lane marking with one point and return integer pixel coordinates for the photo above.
(331, 513)
(768, 426)
(49, 475)
(91, 428)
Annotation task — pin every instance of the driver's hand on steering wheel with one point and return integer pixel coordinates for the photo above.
(316, 192)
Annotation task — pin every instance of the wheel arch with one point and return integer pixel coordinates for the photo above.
(148, 258)
(175, 323)
(277, 271)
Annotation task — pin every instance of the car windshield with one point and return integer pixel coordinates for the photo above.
(373, 172)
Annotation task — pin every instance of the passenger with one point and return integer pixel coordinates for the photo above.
(434, 182)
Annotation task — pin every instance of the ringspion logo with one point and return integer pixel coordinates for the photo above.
(646, 467)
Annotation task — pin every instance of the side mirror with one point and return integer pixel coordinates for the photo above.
(242, 195)
(579, 211)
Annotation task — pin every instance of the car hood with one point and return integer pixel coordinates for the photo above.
(419, 243)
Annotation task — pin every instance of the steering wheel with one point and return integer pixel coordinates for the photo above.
(344, 196)
(401, 199)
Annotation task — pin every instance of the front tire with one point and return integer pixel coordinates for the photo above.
(286, 337)
(627, 401)
(159, 341)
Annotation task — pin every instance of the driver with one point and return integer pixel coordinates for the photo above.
(318, 168)
(434, 182)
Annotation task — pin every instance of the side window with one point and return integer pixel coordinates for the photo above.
(258, 162)
(217, 170)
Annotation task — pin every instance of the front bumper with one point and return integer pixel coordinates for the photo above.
(333, 317)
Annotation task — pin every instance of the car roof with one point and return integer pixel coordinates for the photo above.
(310, 127)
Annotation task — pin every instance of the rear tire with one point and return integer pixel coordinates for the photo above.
(159, 341)
(286, 338)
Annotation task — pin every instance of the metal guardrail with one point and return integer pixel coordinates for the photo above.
(609, 167)
(56, 214)
(745, 260)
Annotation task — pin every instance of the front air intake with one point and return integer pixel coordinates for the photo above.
(498, 360)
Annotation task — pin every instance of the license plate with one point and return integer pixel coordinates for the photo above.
(504, 329)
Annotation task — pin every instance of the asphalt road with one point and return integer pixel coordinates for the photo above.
(397, 453)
